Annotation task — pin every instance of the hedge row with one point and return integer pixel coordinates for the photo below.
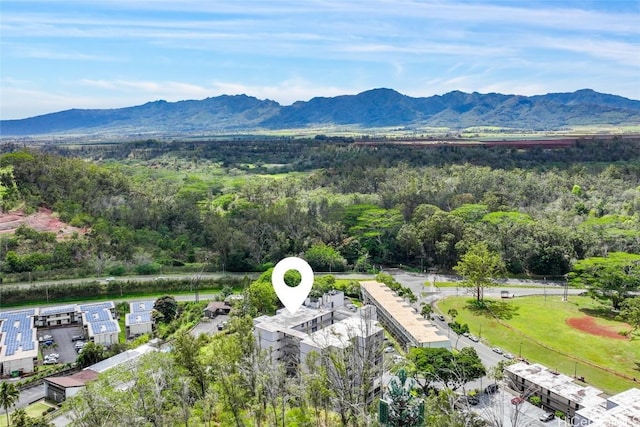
(11, 295)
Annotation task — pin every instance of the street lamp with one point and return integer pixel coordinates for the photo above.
(480, 333)
(520, 352)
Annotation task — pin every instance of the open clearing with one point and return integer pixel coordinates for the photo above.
(42, 220)
(538, 329)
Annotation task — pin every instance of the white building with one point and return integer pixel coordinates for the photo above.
(18, 342)
(329, 326)
(620, 410)
(400, 319)
(100, 322)
(557, 392)
(57, 316)
(139, 320)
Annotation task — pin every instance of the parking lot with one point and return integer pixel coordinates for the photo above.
(209, 327)
(62, 342)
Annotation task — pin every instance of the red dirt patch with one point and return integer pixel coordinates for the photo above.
(43, 220)
(588, 324)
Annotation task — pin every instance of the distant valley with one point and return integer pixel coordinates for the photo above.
(371, 109)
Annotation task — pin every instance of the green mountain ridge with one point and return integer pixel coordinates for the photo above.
(373, 108)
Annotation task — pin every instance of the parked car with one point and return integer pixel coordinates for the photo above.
(77, 338)
(397, 358)
(517, 400)
(220, 326)
(440, 316)
(497, 350)
(474, 338)
(389, 349)
(547, 416)
(491, 388)
(53, 356)
(466, 334)
(49, 362)
(508, 356)
(468, 400)
(47, 343)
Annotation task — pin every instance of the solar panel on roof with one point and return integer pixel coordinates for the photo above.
(48, 311)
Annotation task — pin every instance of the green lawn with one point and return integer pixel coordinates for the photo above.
(34, 410)
(537, 327)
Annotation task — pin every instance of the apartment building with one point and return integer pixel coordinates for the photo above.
(558, 392)
(408, 327)
(322, 326)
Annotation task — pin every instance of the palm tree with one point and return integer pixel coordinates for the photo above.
(8, 396)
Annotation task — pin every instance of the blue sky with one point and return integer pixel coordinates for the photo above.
(56, 55)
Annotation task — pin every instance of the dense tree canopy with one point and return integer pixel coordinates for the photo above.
(218, 203)
(610, 278)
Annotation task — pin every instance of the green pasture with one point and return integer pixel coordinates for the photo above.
(535, 327)
(34, 410)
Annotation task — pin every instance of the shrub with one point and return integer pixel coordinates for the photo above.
(150, 268)
(535, 400)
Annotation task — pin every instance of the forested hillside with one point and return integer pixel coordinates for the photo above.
(244, 205)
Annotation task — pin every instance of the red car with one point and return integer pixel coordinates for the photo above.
(517, 400)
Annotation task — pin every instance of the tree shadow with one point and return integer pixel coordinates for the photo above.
(490, 308)
(602, 312)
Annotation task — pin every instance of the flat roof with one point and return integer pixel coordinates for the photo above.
(420, 329)
(625, 414)
(340, 333)
(119, 359)
(138, 318)
(98, 318)
(284, 320)
(141, 306)
(50, 311)
(18, 336)
(560, 384)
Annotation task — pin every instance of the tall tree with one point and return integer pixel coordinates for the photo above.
(611, 278)
(630, 313)
(405, 408)
(8, 396)
(166, 308)
(478, 268)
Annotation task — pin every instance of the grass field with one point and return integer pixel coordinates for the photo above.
(536, 328)
(34, 410)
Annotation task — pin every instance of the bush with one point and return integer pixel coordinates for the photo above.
(117, 270)
(459, 329)
(147, 269)
(535, 400)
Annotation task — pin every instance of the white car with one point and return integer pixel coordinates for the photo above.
(497, 350)
(508, 356)
(389, 349)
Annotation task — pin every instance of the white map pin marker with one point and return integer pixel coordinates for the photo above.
(292, 297)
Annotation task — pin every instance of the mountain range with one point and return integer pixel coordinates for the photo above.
(369, 109)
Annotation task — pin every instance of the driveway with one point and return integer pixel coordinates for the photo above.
(209, 327)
